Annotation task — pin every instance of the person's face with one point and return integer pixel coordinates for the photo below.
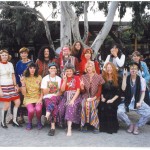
(52, 70)
(133, 70)
(46, 53)
(32, 70)
(136, 58)
(69, 72)
(23, 55)
(88, 55)
(4, 57)
(66, 52)
(109, 69)
(77, 46)
(114, 50)
(89, 68)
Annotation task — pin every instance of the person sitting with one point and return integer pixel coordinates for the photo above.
(134, 87)
(31, 83)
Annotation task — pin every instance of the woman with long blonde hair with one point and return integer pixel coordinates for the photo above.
(109, 100)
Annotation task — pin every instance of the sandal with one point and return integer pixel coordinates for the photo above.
(51, 132)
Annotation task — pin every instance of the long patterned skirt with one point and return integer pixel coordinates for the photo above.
(68, 112)
(51, 105)
(9, 93)
(89, 113)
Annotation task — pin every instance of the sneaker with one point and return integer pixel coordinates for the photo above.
(130, 129)
(39, 126)
(84, 129)
(136, 130)
(29, 126)
(95, 131)
(51, 132)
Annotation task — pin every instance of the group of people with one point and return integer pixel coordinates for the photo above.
(71, 89)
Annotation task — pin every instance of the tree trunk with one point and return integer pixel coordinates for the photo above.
(74, 22)
(106, 28)
(65, 27)
(86, 25)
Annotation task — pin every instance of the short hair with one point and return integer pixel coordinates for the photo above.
(5, 51)
(137, 53)
(69, 66)
(132, 63)
(27, 73)
(24, 49)
(90, 63)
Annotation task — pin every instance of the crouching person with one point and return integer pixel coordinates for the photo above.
(134, 87)
(51, 87)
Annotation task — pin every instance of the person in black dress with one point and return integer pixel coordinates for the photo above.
(110, 98)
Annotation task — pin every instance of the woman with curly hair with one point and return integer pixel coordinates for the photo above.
(46, 55)
(31, 83)
(8, 88)
(110, 98)
(77, 50)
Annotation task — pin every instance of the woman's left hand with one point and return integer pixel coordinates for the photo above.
(71, 102)
(109, 101)
(90, 99)
(39, 102)
(16, 89)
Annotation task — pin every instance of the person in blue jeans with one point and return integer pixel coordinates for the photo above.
(134, 87)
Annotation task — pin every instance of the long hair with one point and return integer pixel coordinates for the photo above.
(41, 53)
(5, 51)
(27, 72)
(119, 50)
(75, 52)
(114, 73)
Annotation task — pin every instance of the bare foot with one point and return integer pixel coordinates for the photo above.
(47, 115)
(69, 132)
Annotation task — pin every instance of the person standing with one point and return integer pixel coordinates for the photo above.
(91, 85)
(21, 66)
(117, 58)
(85, 57)
(77, 50)
(8, 88)
(31, 83)
(46, 55)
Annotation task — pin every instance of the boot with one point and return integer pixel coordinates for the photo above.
(3, 123)
(15, 123)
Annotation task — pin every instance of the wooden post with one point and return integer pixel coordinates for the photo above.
(135, 43)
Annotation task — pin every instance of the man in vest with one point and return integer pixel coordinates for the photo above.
(134, 87)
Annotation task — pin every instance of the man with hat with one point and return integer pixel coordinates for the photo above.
(134, 87)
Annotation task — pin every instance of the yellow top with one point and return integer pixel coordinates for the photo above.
(33, 85)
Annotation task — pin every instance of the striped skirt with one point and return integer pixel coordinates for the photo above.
(9, 93)
(89, 113)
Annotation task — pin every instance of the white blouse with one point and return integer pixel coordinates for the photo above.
(6, 71)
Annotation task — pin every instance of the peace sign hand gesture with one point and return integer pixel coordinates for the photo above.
(22, 79)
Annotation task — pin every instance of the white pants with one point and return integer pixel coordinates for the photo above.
(143, 111)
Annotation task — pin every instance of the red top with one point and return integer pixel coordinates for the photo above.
(84, 61)
(73, 83)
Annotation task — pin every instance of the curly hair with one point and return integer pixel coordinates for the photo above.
(114, 73)
(5, 51)
(27, 72)
(75, 52)
(41, 53)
